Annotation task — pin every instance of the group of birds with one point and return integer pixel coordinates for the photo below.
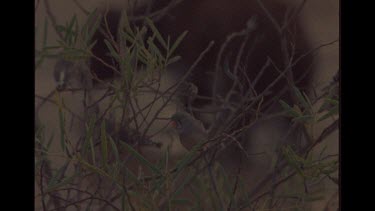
(190, 130)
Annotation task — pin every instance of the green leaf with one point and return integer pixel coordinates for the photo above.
(332, 112)
(140, 158)
(332, 101)
(293, 159)
(114, 149)
(39, 62)
(93, 168)
(45, 32)
(51, 47)
(226, 182)
(62, 129)
(173, 60)
(89, 143)
(104, 143)
(75, 32)
(182, 185)
(308, 100)
(177, 42)
(130, 174)
(124, 23)
(127, 37)
(304, 118)
(155, 49)
(157, 33)
(60, 28)
(89, 47)
(291, 111)
(88, 134)
(314, 198)
(328, 102)
(63, 182)
(69, 35)
(50, 141)
(91, 25)
(188, 157)
(142, 57)
(301, 99)
(285, 105)
(112, 50)
(58, 175)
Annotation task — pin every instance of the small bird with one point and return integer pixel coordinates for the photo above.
(72, 74)
(63, 72)
(190, 130)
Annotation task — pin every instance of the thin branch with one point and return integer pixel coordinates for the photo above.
(218, 59)
(66, 108)
(270, 17)
(52, 18)
(213, 182)
(85, 199)
(192, 67)
(41, 187)
(294, 15)
(79, 5)
(157, 15)
(235, 184)
(326, 132)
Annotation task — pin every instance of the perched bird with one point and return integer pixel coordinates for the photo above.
(63, 72)
(72, 74)
(190, 130)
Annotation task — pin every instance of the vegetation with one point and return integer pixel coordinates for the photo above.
(104, 170)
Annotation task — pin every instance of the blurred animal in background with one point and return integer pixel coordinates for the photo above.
(259, 55)
(228, 92)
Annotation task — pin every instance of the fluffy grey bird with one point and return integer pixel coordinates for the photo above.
(189, 129)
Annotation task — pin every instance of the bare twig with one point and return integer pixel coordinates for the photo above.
(157, 15)
(219, 56)
(269, 15)
(41, 187)
(85, 199)
(52, 18)
(235, 184)
(66, 108)
(79, 5)
(213, 182)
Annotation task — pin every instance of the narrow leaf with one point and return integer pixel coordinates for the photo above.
(104, 143)
(62, 129)
(301, 99)
(173, 60)
(93, 168)
(114, 149)
(112, 50)
(140, 158)
(58, 175)
(157, 33)
(45, 32)
(332, 112)
(291, 111)
(177, 42)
